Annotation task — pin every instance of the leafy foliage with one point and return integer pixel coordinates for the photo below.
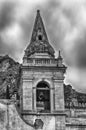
(9, 76)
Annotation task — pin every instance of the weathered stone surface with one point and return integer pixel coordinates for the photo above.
(27, 95)
(59, 95)
(60, 123)
(14, 121)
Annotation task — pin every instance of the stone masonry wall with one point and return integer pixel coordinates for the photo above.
(11, 120)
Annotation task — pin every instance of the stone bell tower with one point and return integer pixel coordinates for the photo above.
(42, 80)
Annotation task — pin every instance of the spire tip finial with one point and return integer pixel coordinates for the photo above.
(38, 10)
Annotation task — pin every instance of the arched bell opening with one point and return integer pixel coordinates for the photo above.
(43, 97)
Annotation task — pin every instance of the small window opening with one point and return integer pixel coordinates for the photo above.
(40, 37)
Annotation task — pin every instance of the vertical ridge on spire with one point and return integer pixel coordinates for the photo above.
(39, 41)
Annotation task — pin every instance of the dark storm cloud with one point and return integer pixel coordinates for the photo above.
(6, 20)
(27, 26)
(6, 49)
(7, 14)
(71, 14)
(81, 52)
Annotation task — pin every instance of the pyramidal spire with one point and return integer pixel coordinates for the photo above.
(39, 42)
(38, 29)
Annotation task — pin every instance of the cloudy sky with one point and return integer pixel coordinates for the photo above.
(65, 23)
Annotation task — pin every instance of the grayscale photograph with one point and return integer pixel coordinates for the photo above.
(42, 64)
